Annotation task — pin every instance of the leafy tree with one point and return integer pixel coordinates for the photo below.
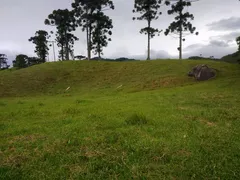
(238, 43)
(181, 23)
(21, 61)
(149, 12)
(3, 62)
(65, 23)
(86, 13)
(40, 40)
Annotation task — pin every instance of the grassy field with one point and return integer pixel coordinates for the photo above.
(119, 120)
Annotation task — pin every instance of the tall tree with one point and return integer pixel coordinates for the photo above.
(149, 10)
(85, 13)
(102, 28)
(40, 40)
(21, 61)
(3, 61)
(65, 23)
(182, 20)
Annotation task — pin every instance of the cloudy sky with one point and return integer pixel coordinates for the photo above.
(217, 21)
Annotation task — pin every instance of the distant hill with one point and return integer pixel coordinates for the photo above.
(232, 58)
(202, 58)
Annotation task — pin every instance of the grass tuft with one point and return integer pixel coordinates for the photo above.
(137, 119)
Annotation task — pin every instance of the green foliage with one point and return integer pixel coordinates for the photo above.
(3, 62)
(149, 10)
(21, 61)
(137, 119)
(203, 58)
(90, 17)
(181, 23)
(40, 40)
(238, 43)
(232, 58)
(65, 23)
(34, 60)
(100, 32)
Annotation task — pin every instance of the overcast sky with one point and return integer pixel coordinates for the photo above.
(217, 21)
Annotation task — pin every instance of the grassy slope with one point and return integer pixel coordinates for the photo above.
(90, 132)
(82, 77)
(232, 58)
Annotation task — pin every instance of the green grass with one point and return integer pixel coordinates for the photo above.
(133, 120)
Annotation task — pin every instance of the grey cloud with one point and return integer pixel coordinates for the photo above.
(214, 48)
(218, 43)
(232, 23)
(193, 47)
(230, 37)
(155, 54)
(212, 43)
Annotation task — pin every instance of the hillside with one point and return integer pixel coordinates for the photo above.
(232, 58)
(119, 120)
(84, 77)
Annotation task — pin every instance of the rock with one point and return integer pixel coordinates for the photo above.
(202, 72)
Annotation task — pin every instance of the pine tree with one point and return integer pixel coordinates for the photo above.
(181, 23)
(85, 12)
(65, 23)
(149, 10)
(40, 40)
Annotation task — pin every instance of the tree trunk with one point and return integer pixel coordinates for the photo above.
(148, 53)
(180, 35)
(54, 51)
(99, 55)
(66, 46)
(180, 45)
(88, 44)
(62, 52)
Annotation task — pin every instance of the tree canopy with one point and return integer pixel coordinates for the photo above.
(89, 16)
(40, 40)
(65, 23)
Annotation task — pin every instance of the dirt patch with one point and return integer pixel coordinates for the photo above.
(183, 108)
(15, 160)
(27, 138)
(208, 123)
(183, 152)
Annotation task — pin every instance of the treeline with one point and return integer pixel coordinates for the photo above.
(89, 15)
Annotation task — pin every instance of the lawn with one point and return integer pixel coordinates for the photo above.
(123, 120)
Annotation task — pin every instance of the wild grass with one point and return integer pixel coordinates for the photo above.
(183, 130)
